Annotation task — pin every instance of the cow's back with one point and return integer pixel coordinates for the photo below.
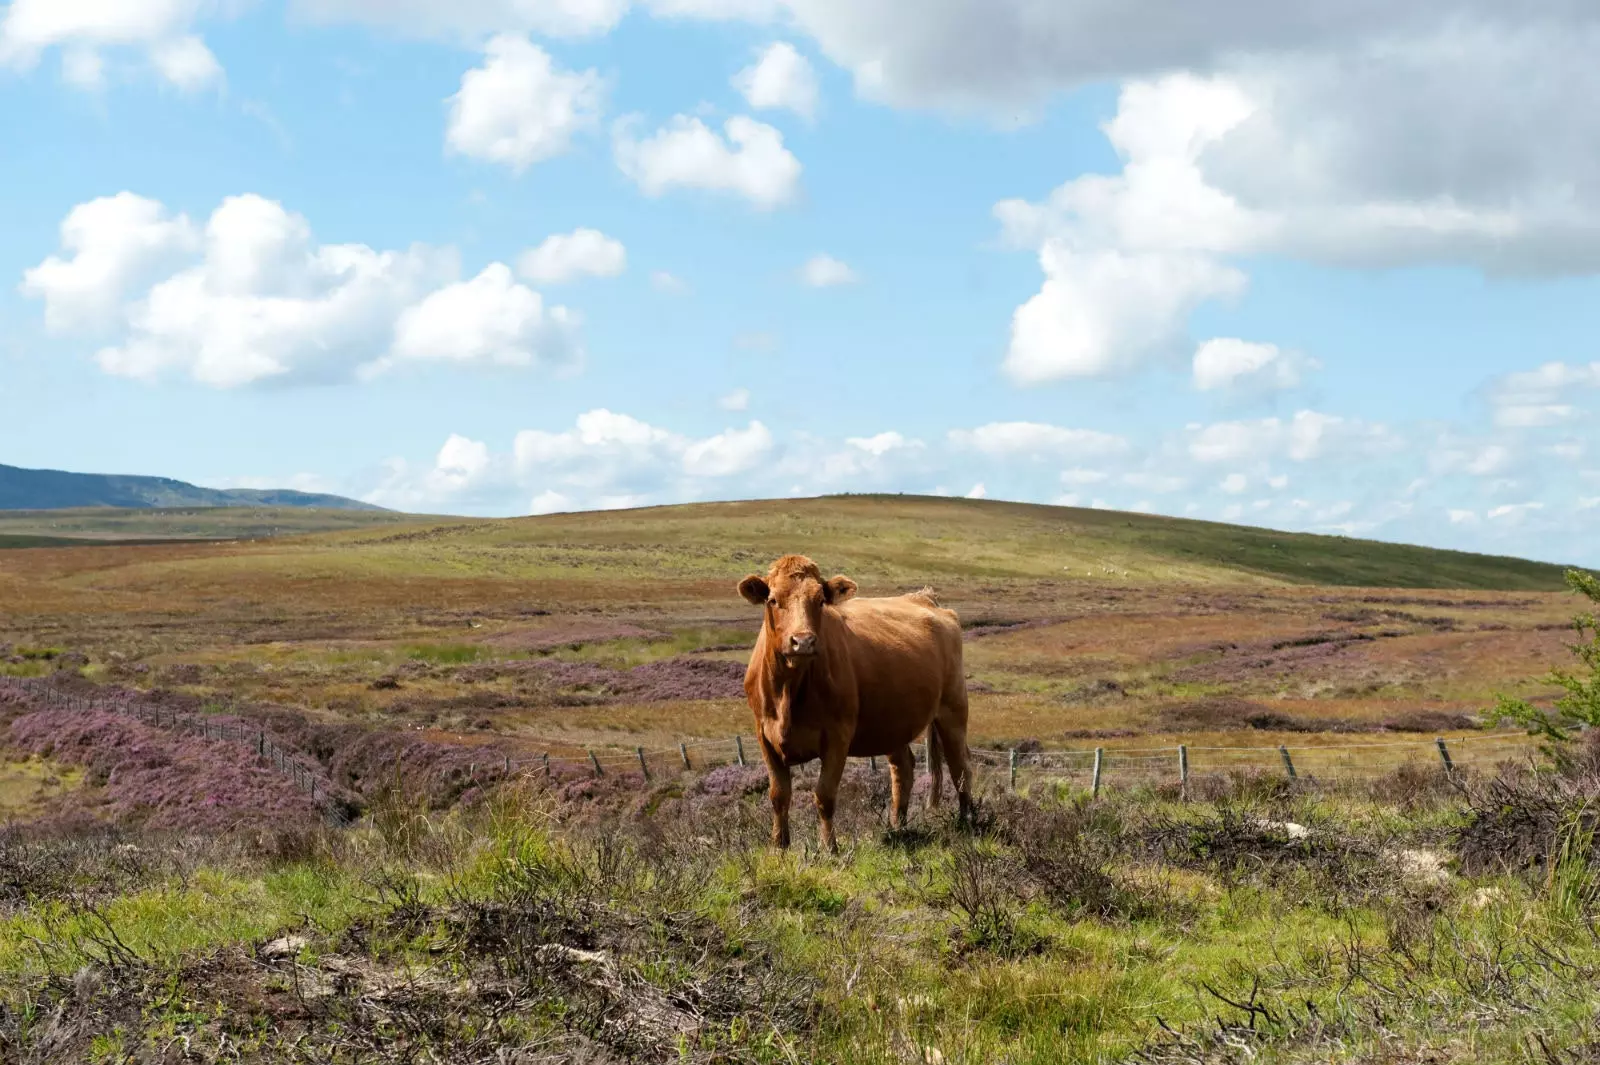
(905, 654)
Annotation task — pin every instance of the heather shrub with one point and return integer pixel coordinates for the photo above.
(162, 779)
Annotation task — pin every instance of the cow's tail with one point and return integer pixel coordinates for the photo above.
(935, 765)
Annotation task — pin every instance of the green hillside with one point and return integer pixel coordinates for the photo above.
(911, 538)
(23, 489)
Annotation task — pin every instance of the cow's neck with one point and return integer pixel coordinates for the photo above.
(791, 688)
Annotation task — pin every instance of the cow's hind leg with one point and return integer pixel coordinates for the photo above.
(935, 770)
(950, 725)
(902, 774)
(779, 790)
(833, 761)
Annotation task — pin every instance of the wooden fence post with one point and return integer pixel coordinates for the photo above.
(1099, 759)
(643, 768)
(683, 749)
(547, 765)
(1183, 768)
(505, 769)
(1013, 769)
(596, 763)
(1444, 755)
(1288, 763)
(738, 746)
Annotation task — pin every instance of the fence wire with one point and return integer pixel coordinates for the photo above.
(1097, 768)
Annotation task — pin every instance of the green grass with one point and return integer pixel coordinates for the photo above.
(897, 968)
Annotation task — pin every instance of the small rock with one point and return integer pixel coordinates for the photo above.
(284, 947)
(1423, 866)
(1288, 828)
(1485, 897)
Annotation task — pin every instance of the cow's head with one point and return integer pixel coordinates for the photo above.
(793, 594)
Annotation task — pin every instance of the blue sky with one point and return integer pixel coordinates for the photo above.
(1331, 273)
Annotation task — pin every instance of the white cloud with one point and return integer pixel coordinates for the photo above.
(518, 108)
(462, 458)
(750, 161)
(738, 399)
(729, 452)
(254, 298)
(1463, 517)
(550, 502)
(1036, 440)
(1513, 512)
(1543, 396)
(1229, 363)
(489, 319)
(824, 271)
(1235, 484)
(469, 19)
(978, 492)
(1472, 458)
(1589, 503)
(1307, 436)
(881, 444)
(671, 284)
(85, 30)
(117, 243)
(1079, 476)
(1102, 313)
(581, 253)
(780, 78)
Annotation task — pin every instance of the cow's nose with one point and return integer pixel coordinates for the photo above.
(803, 645)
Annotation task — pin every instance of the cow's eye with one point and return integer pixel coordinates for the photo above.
(772, 600)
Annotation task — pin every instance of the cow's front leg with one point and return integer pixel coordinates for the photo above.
(833, 759)
(779, 789)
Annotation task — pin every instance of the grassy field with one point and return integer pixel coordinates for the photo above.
(166, 894)
(43, 528)
(1086, 628)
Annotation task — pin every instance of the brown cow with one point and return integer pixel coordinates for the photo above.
(833, 676)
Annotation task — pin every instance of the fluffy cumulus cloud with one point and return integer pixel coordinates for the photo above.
(111, 246)
(824, 271)
(252, 297)
(1229, 364)
(779, 78)
(87, 31)
(519, 108)
(747, 159)
(1440, 135)
(1105, 312)
(565, 256)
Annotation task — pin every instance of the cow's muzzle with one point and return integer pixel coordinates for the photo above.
(801, 645)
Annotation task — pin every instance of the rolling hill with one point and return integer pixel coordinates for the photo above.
(24, 489)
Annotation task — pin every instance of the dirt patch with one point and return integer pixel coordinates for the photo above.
(571, 635)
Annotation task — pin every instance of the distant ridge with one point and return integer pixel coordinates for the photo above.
(22, 489)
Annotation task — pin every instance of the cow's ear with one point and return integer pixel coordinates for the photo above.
(838, 590)
(754, 590)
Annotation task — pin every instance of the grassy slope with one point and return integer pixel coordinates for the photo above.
(907, 538)
(58, 528)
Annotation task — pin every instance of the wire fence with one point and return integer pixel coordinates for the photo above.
(1092, 769)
